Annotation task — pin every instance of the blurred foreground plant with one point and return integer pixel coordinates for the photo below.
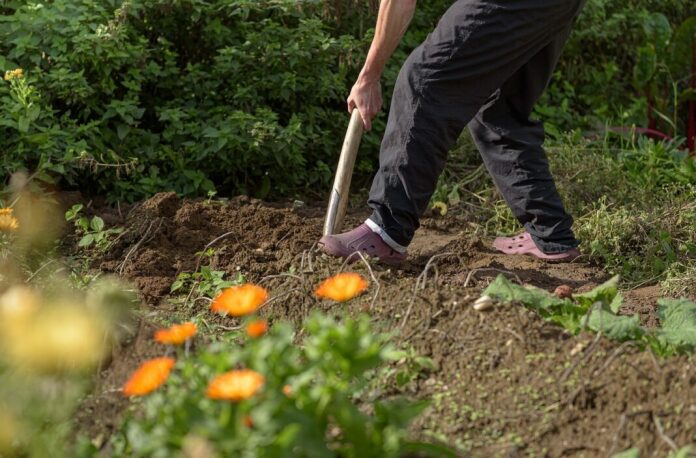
(52, 335)
(270, 396)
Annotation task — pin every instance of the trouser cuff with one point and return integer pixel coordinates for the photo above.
(377, 229)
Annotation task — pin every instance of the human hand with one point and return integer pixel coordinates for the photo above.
(366, 96)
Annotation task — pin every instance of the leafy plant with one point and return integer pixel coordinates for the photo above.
(205, 282)
(307, 406)
(92, 231)
(598, 310)
(666, 72)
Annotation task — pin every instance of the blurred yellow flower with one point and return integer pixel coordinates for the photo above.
(14, 74)
(177, 334)
(240, 300)
(235, 385)
(8, 223)
(149, 376)
(17, 303)
(57, 338)
(342, 287)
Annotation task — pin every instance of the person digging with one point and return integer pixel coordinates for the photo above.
(485, 65)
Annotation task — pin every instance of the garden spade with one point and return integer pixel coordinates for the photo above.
(338, 200)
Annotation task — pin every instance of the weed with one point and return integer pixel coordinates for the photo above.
(597, 310)
(92, 232)
(205, 282)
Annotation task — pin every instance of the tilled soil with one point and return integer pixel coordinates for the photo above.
(506, 382)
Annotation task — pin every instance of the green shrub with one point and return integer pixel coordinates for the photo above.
(594, 83)
(134, 97)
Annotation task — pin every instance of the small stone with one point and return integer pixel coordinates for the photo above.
(483, 303)
(563, 292)
(580, 346)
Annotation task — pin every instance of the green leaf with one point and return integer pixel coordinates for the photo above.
(72, 213)
(122, 130)
(615, 304)
(605, 293)
(687, 95)
(97, 224)
(658, 31)
(615, 327)
(630, 453)
(86, 241)
(684, 452)
(646, 65)
(678, 320)
(23, 124)
(682, 44)
(508, 292)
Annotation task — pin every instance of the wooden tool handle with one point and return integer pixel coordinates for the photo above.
(338, 201)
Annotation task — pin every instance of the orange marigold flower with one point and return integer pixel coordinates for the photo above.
(287, 390)
(149, 376)
(342, 287)
(177, 334)
(235, 385)
(240, 300)
(8, 223)
(257, 328)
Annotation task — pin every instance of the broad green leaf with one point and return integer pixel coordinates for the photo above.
(658, 31)
(97, 224)
(615, 327)
(86, 241)
(506, 291)
(678, 320)
(646, 65)
(605, 293)
(682, 45)
(616, 303)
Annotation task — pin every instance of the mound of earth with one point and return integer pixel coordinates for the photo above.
(506, 383)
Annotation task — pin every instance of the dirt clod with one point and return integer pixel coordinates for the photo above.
(563, 292)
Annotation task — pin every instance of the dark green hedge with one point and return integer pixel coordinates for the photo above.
(244, 96)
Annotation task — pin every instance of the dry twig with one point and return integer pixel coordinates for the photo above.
(471, 274)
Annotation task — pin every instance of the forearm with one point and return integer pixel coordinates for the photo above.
(392, 22)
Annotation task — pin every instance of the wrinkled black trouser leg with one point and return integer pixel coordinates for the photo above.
(486, 64)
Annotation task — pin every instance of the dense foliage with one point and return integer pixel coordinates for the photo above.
(244, 96)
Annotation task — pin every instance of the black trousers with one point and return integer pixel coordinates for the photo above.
(485, 65)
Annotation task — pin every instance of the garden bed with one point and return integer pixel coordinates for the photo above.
(505, 381)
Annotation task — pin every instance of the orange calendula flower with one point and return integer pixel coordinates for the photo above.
(240, 300)
(149, 376)
(235, 385)
(287, 390)
(8, 223)
(342, 287)
(257, 328)
(177, 334)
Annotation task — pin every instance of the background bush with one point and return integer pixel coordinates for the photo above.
(133, 97)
